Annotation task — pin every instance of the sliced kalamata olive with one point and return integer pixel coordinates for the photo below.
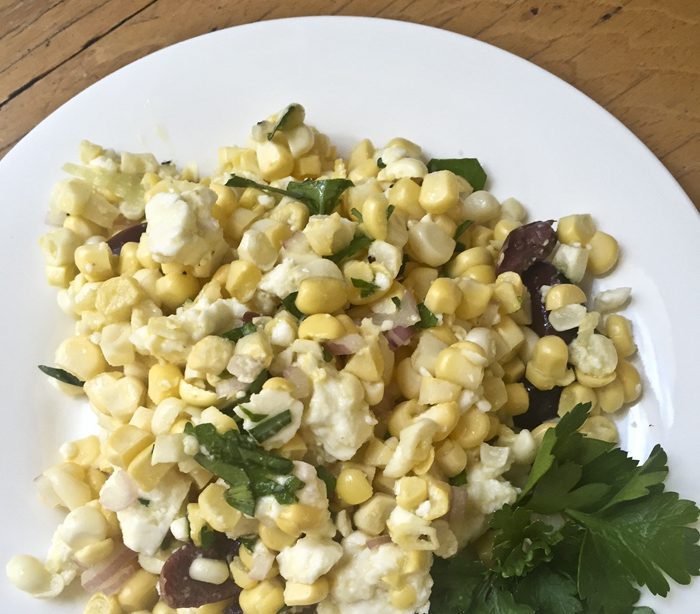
(526, 245)
(543, 406)
(538, 275)
(249, 315)
(132, 234)
(179, 590)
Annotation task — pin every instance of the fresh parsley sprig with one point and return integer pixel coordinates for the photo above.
(239, 332)
(590, 527)
(366, 288)
(61, 375)
(467, 168)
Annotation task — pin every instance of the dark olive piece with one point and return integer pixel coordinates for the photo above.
(543, 406)
(132, 234)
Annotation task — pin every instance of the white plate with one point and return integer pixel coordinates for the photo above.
(539, 139)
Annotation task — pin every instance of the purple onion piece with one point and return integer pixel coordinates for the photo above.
(249, 315)
(543, 406)
(526, 245)
(179, 590)
(132, 234)
(538, 275)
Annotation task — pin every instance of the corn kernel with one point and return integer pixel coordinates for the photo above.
(296, 594)
(619, 330)
(353, 487)
(267, 597)
(321, 295)
(472, 429)
(604, 253)
(173, 289)
(139, 592)
(628, 376)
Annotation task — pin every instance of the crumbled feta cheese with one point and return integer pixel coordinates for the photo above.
(594, 355)
(611, 300)
(309, 559)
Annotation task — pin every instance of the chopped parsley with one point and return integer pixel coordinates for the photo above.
(357, 214)
(241, 331)
(289, 303)
(61, 375)
(366, 288)
(271, 426)
(144, 502)
(467, 168)
(359, 243)
(389, 211)
(427, 318)
(292, 117)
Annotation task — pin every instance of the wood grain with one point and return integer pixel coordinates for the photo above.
(640, 59)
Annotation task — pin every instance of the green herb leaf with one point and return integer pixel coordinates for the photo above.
(389, 211)
(327, 356)
(459, 480)
(468, 168)
(238, 333)
(271, 426)
(427, 318)
(248, 541)
(255, 387)
(547, 591)
(461, 228)
(208, 537)
(380, 163)
(251, 415)
(367, 288)
(359, 243)
(289, 303)
(61, 375)
(292, 117)
(144, 502)
(397, 301)
(319, 195)
(357, 214)
(328, 479)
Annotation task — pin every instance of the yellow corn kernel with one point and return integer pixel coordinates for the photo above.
(574, 394)
(226, 202)
(274, 160)
(576, 229)
(403, 598)
(411, 491)
(495, 391)
(374, 216)
(221, 274)
(238, 158)
(240, 220)
(451, 458)
(362, 152)
(321, 295)
(296, 594)
(353, 487)
(240, 574)
(92, 554)
(372, 515)
(408, 379)
(628, 376)
(367, 363)
(480, 236)
(445, 415)
(81, 226)
(439, 498)
(81, 357)
(611, 397)
(547, 367)
(196, 523)
(426, 464)
(467, 259)
(278, 383)
(518, 401)
(295, 518)
(145, 474)
(101, 604)
(475, 298)
(83, 452)
(125, 443)
(443, 296)
(619, 329)
(405, 195)
(483, 273)
(163, 382)
(116, 298)
(139, 592)
(94, 261)
(307, 166)
(600, 427)
(267, 597)
(455, 366)
(321, 327)
(194, 395)
(503, 228)
(439, 192)
(472, 429)
(128, 261)
(402, 416)
(242, 280)
(429, 244)
(162, 608)
(562, 295)
(419, 280)
(174, 289)
(603, 255)
(274, 538)
(215, 511)
(509, 291)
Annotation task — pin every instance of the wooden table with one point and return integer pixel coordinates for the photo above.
(640, 59)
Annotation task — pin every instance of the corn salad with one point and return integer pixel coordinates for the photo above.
(347, 324)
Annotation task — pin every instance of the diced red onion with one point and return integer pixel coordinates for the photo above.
(399, 336)
(344, 346)
(300, 381)
(110, 575)
(119, 492)
(375, 542)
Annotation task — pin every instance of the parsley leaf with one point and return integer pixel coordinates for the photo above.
(357, 214)
(461, 228)
(468, 168)
(249, 470)
(427, 318)
(61, 375)
(255, 387)
(238, 333)
(271, 426)
(367, 288)
(289, 303)
(397, 301)
(319, 195)
(380, 163)
(389, 211)
(359, 243)
(328, 479)
(144, 502)
(547, 591)
(292, 117)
